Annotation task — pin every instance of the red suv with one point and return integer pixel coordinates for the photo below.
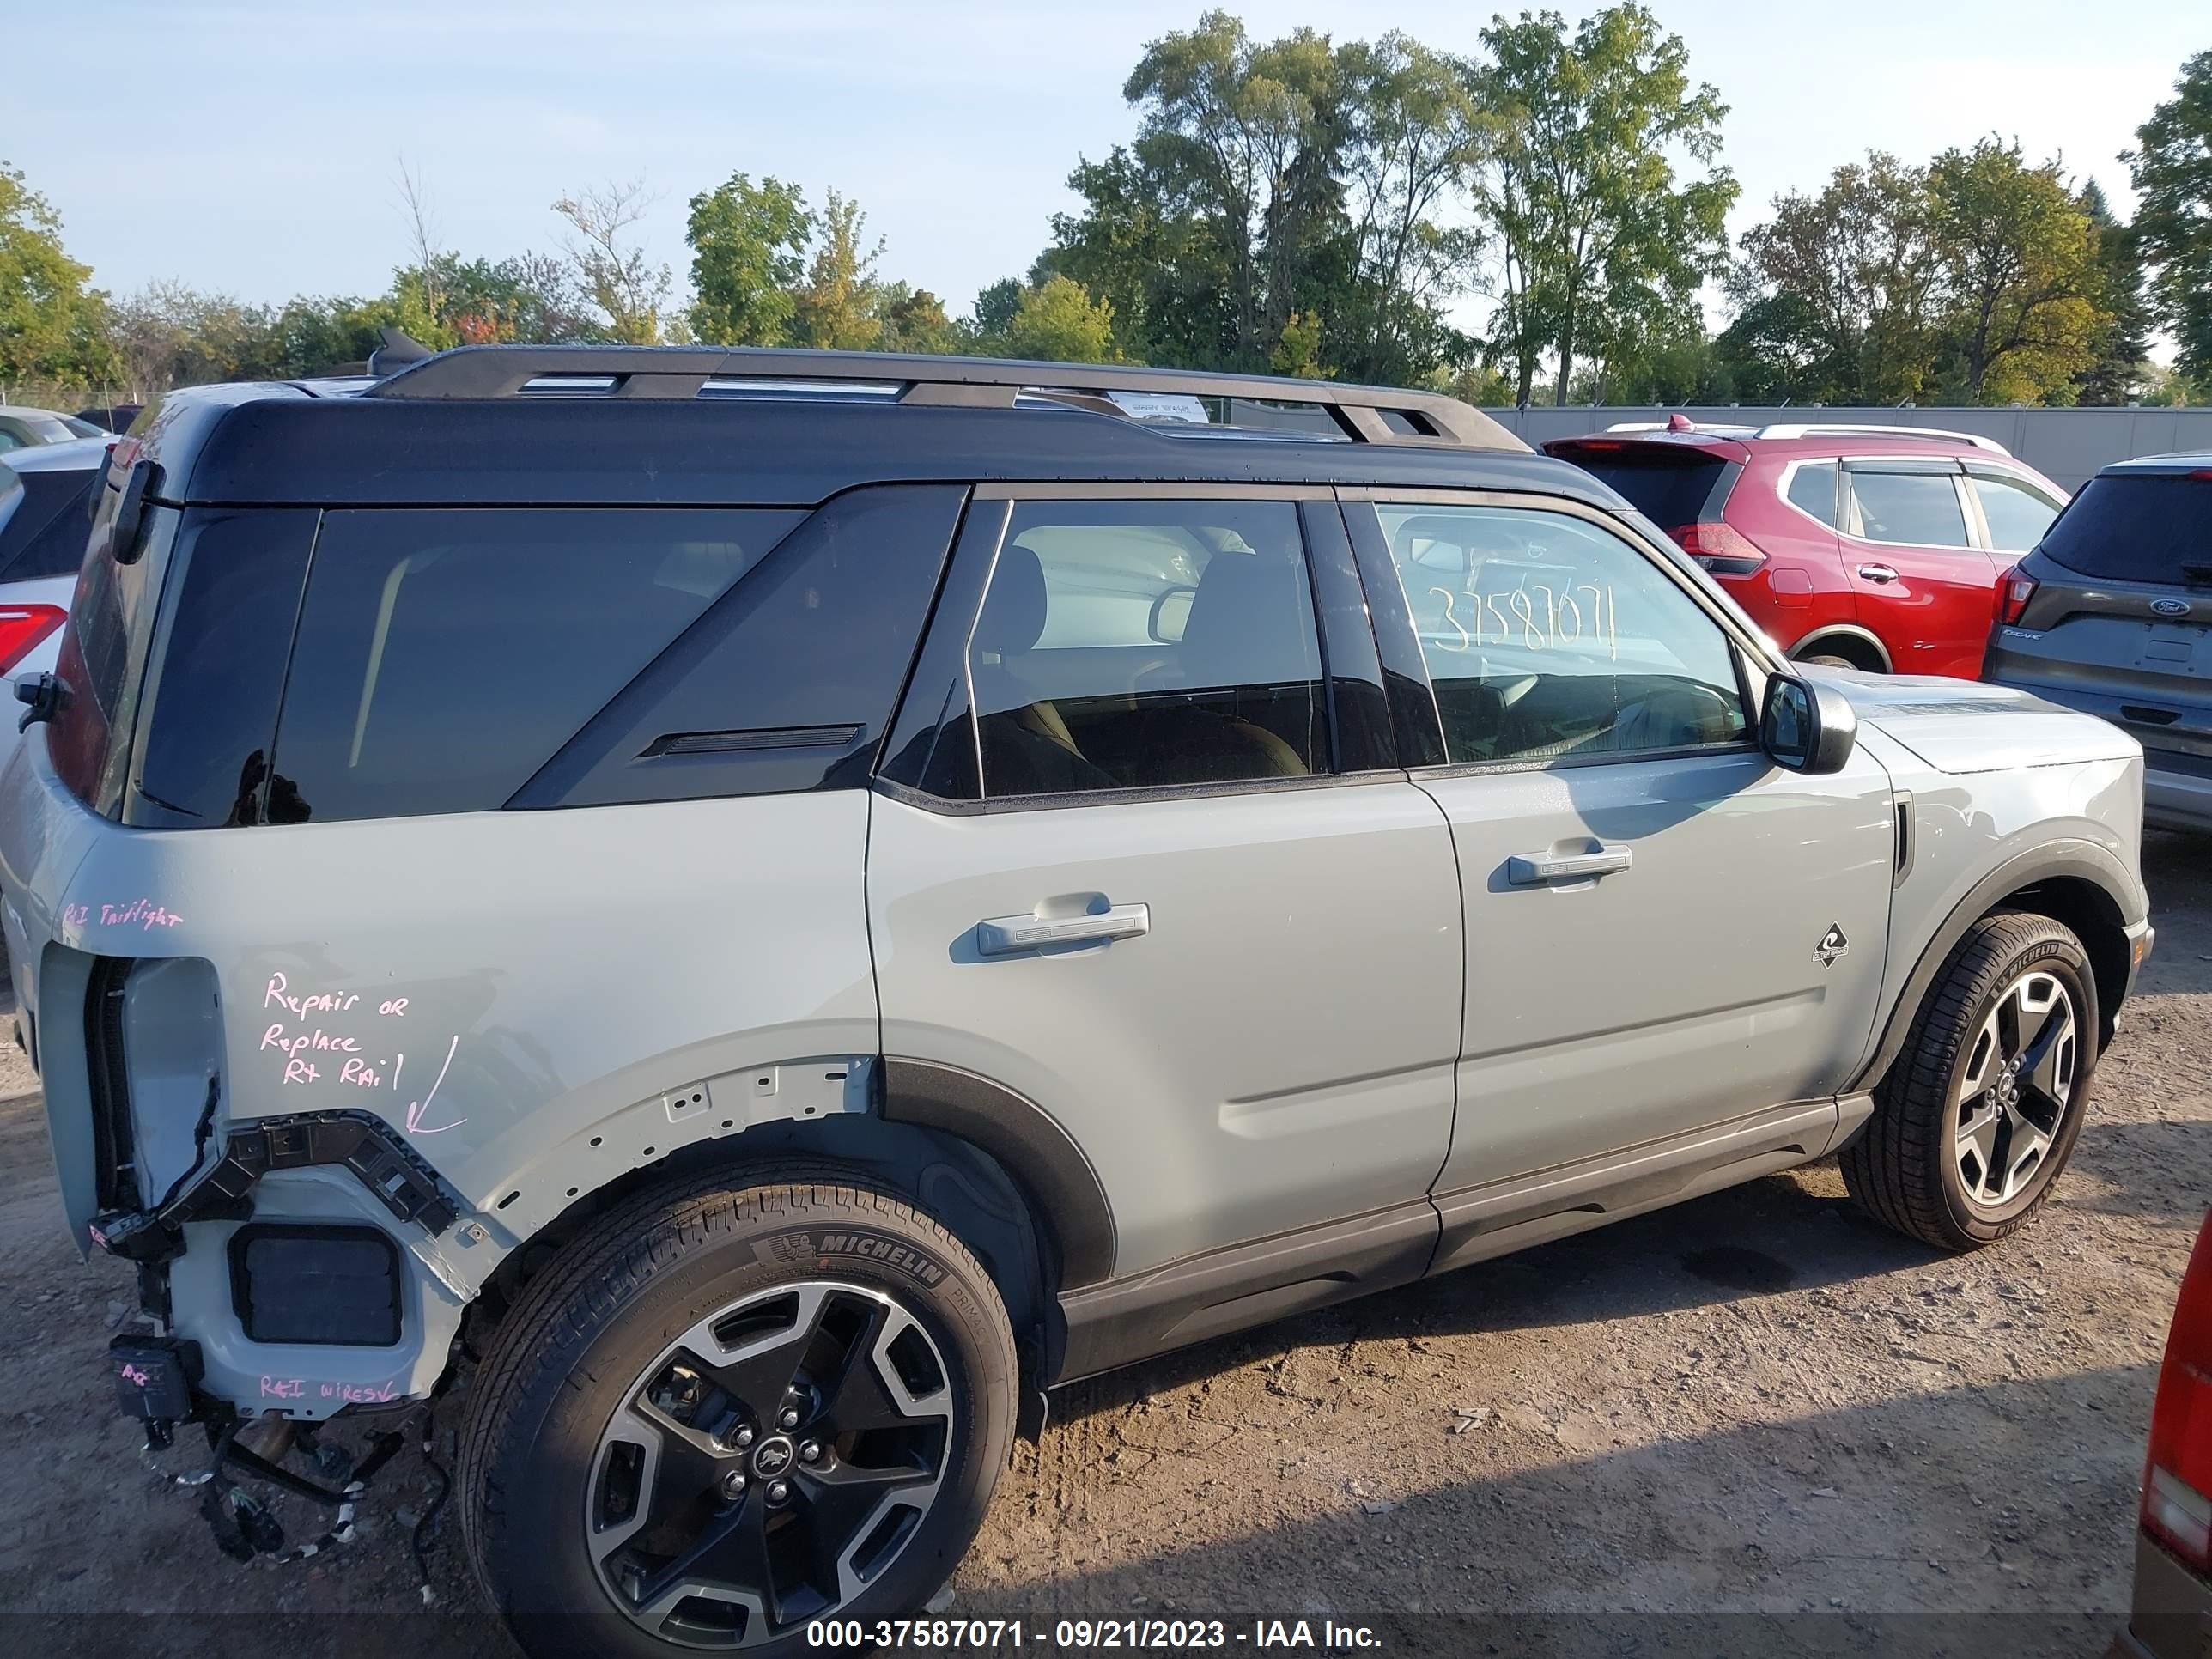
(1863, 546)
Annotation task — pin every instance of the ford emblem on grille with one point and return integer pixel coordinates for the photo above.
(2170, 607)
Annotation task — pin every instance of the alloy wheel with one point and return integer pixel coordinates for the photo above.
(769, 1465)
(2013, 1090)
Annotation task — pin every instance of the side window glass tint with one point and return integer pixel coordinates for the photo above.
(444, 655)
(1143, 644)
(1916, 507)
(1549, 638)
(1812, 488)
(2017, 515)
(213, 699)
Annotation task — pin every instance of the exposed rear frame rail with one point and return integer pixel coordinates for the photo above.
(680, 372)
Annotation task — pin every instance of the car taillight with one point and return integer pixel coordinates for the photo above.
(2014, 592)
(22, 626)
(2176, 1497)
(1721, 548)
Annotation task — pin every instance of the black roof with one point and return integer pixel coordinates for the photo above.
(697, 427)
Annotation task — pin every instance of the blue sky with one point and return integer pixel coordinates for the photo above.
(255, 148)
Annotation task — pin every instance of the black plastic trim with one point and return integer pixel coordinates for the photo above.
(241, 1282)
(369, 1149)
(115, 1181)
(2079, 861)
(1065, 1192)
(1240, 1286)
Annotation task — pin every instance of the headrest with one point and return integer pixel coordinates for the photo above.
(1013, 613)
(1248, 620)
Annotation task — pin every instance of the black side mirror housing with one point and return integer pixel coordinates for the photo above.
(1806, 726)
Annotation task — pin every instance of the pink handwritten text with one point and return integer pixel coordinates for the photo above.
(144, 911)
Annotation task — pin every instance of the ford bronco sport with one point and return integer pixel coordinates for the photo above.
(766, 908)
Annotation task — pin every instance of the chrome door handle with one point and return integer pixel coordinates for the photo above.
(1534, 869)
(1002, 936)
(1878, 572)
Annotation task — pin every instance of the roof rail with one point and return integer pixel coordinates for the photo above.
(679, 371)
(1815, 428)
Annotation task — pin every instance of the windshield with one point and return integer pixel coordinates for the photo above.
(2138, 527)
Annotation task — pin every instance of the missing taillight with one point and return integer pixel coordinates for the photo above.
(1721, 549)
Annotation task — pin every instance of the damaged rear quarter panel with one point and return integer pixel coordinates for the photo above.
(527, 998)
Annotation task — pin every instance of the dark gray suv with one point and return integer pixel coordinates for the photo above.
(2111, 614)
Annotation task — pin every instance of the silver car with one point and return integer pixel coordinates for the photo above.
(731, 918)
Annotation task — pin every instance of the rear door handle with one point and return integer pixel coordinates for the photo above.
(1535, 869)
(1004, 936)
(1878, 572)
(2137, 712)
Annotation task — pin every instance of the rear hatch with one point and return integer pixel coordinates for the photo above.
(2112, 613)
(1680, 481)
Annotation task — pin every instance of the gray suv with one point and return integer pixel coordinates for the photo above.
(761, 909)
(2111, 613)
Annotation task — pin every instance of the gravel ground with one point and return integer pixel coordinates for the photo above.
(1749, 1424)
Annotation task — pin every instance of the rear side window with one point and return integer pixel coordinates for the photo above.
(1813, 490)
(2017, 515)
(1672, 487)
(2137, 528)
(443, 655)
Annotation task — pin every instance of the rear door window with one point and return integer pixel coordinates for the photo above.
(1913, 509)
(444, 655)
(2138, 527)
(1137, 644)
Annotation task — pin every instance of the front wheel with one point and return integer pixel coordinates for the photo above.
(724, 1413)
(1978, 1115)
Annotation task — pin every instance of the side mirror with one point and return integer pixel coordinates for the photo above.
(1806, 726)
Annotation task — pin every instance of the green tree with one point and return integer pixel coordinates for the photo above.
(1243, 134)
(2172, 169)
(2123, 344)
(993, 314)
(53, 323)
(2019, 256)
(1413, 137)
(626, 287)
(1603, 247)
(1842, 290)
(913, 320)
(1298, 348)
(837, 309)
(1058, 322)
(747, 256)
(1140, 245)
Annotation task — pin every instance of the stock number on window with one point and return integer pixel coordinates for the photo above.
(1515, 618)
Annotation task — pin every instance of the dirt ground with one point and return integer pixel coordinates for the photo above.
(1751, 1424)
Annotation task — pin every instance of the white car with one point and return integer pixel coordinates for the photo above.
(44, 525)
(24, 427)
